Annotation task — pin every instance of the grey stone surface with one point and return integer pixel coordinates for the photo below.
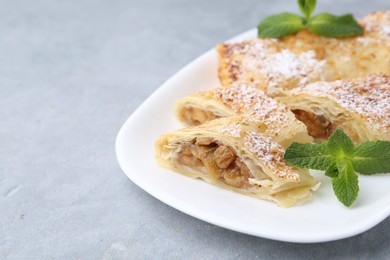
(71, 73)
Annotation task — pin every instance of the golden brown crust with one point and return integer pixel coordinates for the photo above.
(239, 130)
(304, 57)
(231, 154)
(247, 101)
(361, 107)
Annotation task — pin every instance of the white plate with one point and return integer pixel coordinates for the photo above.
(322, 219)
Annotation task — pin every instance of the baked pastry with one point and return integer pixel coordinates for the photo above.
(229, 153)
(265, 64)
(361, 107)
(302, 58)
(280, 122)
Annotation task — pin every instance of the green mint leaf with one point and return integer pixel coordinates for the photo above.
(346, 185)
(332, 171)
(340, 145)
(312, 156)
(329, 25)
(372, 157)
(307, 7)
(280, 25)
(341, 161)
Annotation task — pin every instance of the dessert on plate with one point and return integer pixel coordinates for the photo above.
(302, 58)
(237, 134)
(232, 154)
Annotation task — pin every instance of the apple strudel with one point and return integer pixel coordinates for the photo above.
(231, 154)
(361, 107)
(280, 122)
(296, 60)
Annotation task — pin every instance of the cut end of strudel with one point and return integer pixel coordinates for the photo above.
(280, 123)
(361, 107)
(296, 60)
(230, 154)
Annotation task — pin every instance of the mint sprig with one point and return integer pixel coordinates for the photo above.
(277, 26)
(341, 161)
(307, 7)
(324, 24)
(329, 25)
(372, 157)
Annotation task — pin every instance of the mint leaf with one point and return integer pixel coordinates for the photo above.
(342, 160)
(280, 25)
(324, 24)
(346, 185)
(372, 157)
(312, 156)
(329, 25)
(307, 7)
(339, 144)
(332, 170)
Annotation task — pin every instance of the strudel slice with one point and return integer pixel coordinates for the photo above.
(361, 107)
(229, 153)
(302, 58)
(280, 122)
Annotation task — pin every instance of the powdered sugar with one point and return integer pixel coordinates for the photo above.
(255, 103)
(386, 29)
(377, 23)
(249, 100)
(276, 67)
(286, 65)
(271, 155)
(366, 40)
(369, 97)
(232, 129)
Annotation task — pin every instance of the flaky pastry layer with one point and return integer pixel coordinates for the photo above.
(232, 154)
(361, 107)
(281, 124)
(296, 60)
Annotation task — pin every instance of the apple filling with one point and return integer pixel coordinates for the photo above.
(196, 116)
(215, 159)
(318, 126)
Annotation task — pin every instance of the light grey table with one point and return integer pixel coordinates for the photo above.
(71, 73)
